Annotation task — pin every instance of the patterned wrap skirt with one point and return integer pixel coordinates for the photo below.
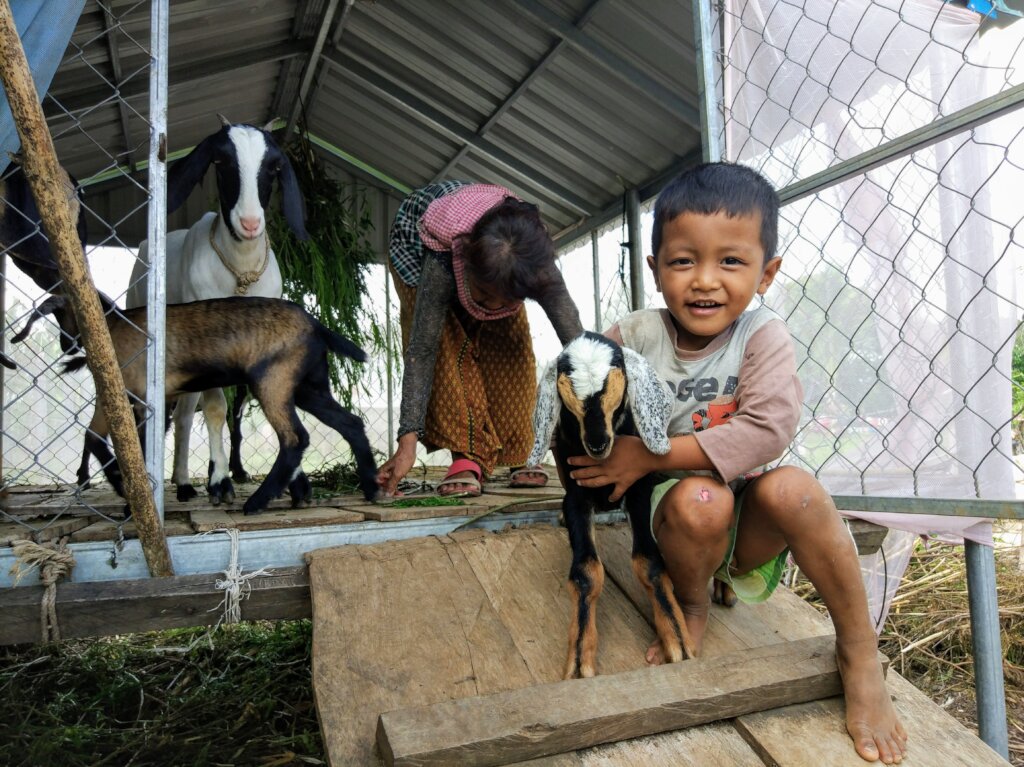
(484, 387)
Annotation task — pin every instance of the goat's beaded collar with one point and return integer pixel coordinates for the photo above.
(243, 280)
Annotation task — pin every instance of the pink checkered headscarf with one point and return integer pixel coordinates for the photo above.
(445, 222)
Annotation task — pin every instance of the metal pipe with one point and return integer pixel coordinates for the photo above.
(986, 646)
(594, 255)
(976, 114)
(636, 259)
(710, 115)
(946, 507)
(156, 291)
(312, 64)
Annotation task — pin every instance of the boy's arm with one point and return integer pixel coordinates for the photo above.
(770, 400)
(630, 459)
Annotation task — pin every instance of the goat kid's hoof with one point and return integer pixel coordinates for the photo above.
(241, 476)
(186, 492)
(252, 508)
(222, 491)
(301, 491)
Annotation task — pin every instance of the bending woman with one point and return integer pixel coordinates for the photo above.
(464, 257)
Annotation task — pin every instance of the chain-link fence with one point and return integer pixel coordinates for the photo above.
(98, 100)
(902, 284)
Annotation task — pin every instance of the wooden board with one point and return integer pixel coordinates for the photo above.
(106, 529)
(815, 733)
(713, 745)
(148, 604)
(421, 621)
(271, 519)
(40, 529)
(385, 513)
(560, 717)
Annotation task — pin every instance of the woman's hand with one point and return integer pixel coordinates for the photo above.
(629, 460)
(394, 471)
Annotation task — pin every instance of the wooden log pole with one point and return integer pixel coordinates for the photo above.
(44, 176)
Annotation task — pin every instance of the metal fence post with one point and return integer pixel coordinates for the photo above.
(710, 117)
(156, 296)
(986, 646)
(636, 258)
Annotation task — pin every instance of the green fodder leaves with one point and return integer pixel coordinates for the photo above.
(327, 273)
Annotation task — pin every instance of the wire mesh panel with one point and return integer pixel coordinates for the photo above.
(97, 112)
(902, 285)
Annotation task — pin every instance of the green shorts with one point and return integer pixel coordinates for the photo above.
(751, 587)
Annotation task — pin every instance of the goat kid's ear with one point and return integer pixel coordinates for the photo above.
(188, 172)
(545, 414)
(649, 400)
(291, 200)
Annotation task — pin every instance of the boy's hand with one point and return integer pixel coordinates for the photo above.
(628, 461)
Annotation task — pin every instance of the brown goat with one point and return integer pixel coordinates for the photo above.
(273, 346)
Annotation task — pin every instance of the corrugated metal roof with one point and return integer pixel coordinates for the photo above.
(568, 102)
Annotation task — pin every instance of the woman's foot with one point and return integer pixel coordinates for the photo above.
(528, 476)
(462, 480)
(696, 617)
(871, 718)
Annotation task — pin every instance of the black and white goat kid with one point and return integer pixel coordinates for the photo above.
(273, 346)
(593, 391)
(225, 253)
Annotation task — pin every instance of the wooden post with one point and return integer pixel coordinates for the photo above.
(44, 177)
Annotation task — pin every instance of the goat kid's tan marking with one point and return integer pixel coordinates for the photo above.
(583, 652)
(663, 623)
(569, 396)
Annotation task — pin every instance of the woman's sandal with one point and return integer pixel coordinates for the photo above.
(458, 466)
(521, 477)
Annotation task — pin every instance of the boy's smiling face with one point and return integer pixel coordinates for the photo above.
(709, 268)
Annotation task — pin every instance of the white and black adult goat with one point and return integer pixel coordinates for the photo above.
(593, 391)
(273, 346)
(225, 253)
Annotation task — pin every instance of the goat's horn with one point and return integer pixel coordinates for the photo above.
(270, 125)
(223, 120)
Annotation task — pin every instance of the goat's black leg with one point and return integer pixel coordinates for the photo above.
(83, 475)
(293, 440)
(300, 490)
(649, 569)
(586, 581)
(97, 446)
(349, 426)
(238, 472)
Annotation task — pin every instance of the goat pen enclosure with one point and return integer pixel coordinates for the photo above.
(892, 129)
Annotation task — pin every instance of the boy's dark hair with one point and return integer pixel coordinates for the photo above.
(510, 249)
(714, 187)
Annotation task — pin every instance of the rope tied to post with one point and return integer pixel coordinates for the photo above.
(55, 561)
(235, 585)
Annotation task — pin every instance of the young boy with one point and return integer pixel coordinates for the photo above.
(718, 514)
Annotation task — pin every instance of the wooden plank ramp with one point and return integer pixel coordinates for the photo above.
(419, 622)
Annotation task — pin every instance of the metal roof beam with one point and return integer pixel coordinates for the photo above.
(313, 62)
(614, 63)
(538, 69)
(646, 190)
(410, 102)
(182, 74)
(110, 27)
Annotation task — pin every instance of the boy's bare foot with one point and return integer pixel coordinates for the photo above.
(696, 617)
(871, 718)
